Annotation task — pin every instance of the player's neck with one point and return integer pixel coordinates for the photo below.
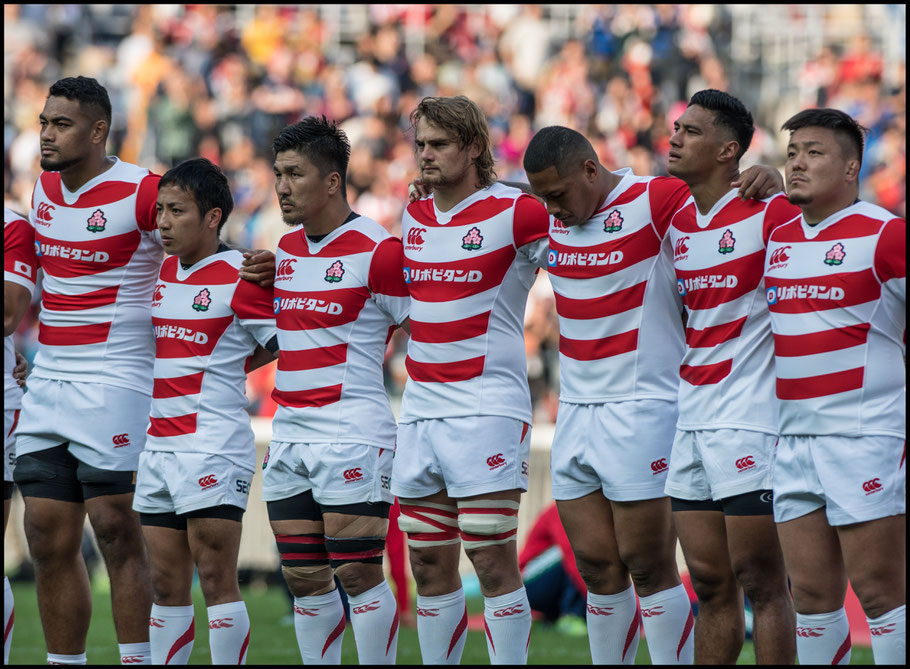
(815, 212)
(709, 191)
(333, 216)
(209, 249)
(446, 197)
(77, 176)
(607, 182)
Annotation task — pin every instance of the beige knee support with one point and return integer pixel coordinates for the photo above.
(428, 524)
(487, 522)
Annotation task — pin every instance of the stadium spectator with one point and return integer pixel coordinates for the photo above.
(836, 282)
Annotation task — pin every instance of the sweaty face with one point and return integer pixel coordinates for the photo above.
(185, 231)
(817, 167)
(65, 134)
(570, 198)
(440, 159)
(694, 143)
(301, 191)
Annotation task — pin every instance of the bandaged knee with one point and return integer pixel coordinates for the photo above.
(487, 522)
(304, 557)
(345, 550)
(428, 525)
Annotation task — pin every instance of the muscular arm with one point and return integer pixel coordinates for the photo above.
(16, 299)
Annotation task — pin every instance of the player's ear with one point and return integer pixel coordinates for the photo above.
(728, 151)
(99, 132)
(334, 182)
(852, 171)
(212, 218)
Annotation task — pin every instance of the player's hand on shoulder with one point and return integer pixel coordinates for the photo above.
(758, 182)
(259, 267)
(20, 371)
(417, 190)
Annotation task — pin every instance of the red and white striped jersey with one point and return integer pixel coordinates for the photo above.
(727, 372)
(837, 292)
(469, 272)
(19, 266)
(336, 304)
(620, 331)
(207, 323)
(100, 250)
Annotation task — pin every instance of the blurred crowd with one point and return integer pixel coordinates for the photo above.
(221, 80)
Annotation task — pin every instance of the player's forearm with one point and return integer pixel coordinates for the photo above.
(15, 303)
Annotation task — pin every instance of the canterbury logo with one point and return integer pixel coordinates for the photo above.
(681, 249)
(884, 629)
(871, 486)
(779, 256)
(600, 610)
(285, 269)
(208, 481)
(415, 236)
(650, 613)
(372, 606)
(659, 466)
(495, 461)
(304, 612)
(121, 440)
(130, 659)
(510, 611)
(427, 613)
(745, 463)
(809, 631)
(353, 475)
(220, 623)
(156, 622)
(158, 296)
(44, 213)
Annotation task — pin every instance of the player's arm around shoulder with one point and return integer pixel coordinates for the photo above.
(20, 268)
(253, 305)
(387, 282)
(531, 229)
(758, 182)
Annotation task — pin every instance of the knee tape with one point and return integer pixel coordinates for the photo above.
(344, 550)
(317, 573)
(487, 522)
(428, 524)
(302, 550)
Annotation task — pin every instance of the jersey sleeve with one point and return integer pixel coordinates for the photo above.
(386, 279)
(531, 229)
(20, 264)
(253, 306)
(778, 212)
(666, 195)
(146, 209)
(891, 258)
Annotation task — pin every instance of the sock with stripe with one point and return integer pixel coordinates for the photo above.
(374, 620)
(668, 623)
(8, 617)
(823, 638)
(135, 653)
(889, 636)
(442, 626)
(614, 627)
(171, 634)
(507, 623)
(319, 623)
(229, 632)
(66, 659)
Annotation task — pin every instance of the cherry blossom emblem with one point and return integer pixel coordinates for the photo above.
(334, 273)
(472, 240)
(202, 300)
(613, 222)
(96, 221)
(836, 255)
(726, 242)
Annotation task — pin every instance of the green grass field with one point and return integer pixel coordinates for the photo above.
(272, 642)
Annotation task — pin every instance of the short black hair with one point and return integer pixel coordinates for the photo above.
(321, 141)
(843, 125)
(730, 113)
(206, 184)
(87, 91)
(559, 147)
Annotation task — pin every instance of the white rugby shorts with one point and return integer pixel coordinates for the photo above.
(716, 464)
(10, 419)
(856, 479)
(622, 448)
(183, 482)
(338, 474)
(104, 424)
(466, 456)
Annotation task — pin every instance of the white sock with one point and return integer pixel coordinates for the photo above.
(507, 622)
(442, 626)
(171, 634)
(667, 619)
(135, 653)
(823, 638)
(614, 627)
(229, 632)
(319, 622)
(9, 610)
(889, 636)
(374, 620)
(65, 659)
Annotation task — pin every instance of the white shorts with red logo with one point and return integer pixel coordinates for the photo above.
(105, 425)
(622, 448)
(716, 464)
(183, 482)
(856, 479)
(466, 456)
(10, 420)
(337, 474)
